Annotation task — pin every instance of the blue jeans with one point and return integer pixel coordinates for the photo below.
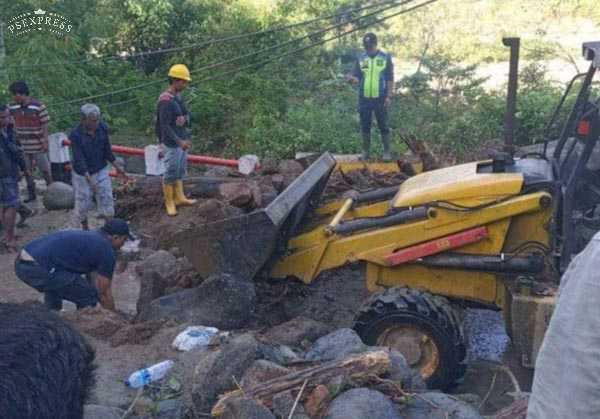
(57, 285)
(84, 194)
(175, 164)
(9, 193)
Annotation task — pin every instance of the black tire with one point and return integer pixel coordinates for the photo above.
(429, 314)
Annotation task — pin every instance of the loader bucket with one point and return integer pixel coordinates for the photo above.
(242, 245)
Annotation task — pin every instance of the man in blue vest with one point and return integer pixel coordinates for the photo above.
(374, 73)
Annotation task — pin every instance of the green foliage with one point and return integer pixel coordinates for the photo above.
(301, 102)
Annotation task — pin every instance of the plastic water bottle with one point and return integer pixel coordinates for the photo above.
(145, 376)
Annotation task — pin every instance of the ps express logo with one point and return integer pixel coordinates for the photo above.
(39, 21)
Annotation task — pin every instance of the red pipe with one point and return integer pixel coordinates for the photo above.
(192, 158)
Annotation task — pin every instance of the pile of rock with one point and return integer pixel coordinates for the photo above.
(335, 376)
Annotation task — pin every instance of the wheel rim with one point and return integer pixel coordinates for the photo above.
(417, 346)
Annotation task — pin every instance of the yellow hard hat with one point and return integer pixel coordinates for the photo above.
(180, 71)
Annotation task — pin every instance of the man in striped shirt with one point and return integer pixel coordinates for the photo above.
(31, 129)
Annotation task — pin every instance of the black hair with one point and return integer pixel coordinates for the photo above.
(172, 80)
(19, 88)
(369, 39)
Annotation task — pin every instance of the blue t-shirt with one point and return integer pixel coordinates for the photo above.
(74, 251)
(90, 154)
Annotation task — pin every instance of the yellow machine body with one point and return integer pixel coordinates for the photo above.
(459, 199)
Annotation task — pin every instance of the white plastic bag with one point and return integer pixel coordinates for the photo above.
(194, 336)
(247, 164)
(155, 166)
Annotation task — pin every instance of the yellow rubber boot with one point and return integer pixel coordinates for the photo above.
(169, 193)
(180, 198)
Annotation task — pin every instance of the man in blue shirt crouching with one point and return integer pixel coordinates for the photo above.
(74, 265)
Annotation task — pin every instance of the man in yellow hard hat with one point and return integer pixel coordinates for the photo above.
(172, 129)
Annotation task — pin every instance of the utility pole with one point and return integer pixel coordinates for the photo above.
(3, 67)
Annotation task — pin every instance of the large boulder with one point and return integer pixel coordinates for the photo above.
(59, 196)
(295, 331)
(362, 403)
(162, 262)
(219, 371)
(236, 194)
(157, 272)
(432, 405)
(222, 301)
(246, 408)
(336, 345)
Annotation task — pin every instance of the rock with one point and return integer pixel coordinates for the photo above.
(278, 182)
(256, 195)
(336, 345)
(261, 371)
(246, 408)
(162, 262)
(217, 171)
(222, 301)
(400, 371)
(170, 409)
(268, 197)
(95, 411)
(236, 194)
(59, 196)
(279, 354)
(362, 403)
(214, 373)
(417, 382)
(283, 404)
(144, 406)
(290, 167)
(293, 332)
(431, 405)
(269, 166)
(152, 286)
(177, 252)
(317, 400)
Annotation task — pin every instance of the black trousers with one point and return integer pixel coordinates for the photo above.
(57, 285)
(366, 109)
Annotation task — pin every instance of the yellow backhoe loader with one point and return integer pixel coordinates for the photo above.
(491, 234)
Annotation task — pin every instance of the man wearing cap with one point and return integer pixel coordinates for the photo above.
(172, 130)
(374, 73)
(74, 265)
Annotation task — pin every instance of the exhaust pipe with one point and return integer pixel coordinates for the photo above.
(511, 97)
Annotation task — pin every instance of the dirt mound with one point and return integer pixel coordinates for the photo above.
(111, 327)
(360, 180)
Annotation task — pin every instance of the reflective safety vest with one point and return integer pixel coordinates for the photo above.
(373, 83)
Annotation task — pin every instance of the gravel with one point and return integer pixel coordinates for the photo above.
(486, 335)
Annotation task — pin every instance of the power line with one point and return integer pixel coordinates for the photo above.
(219, 64)
(293, 52)
(296, 51)
(127, 56)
